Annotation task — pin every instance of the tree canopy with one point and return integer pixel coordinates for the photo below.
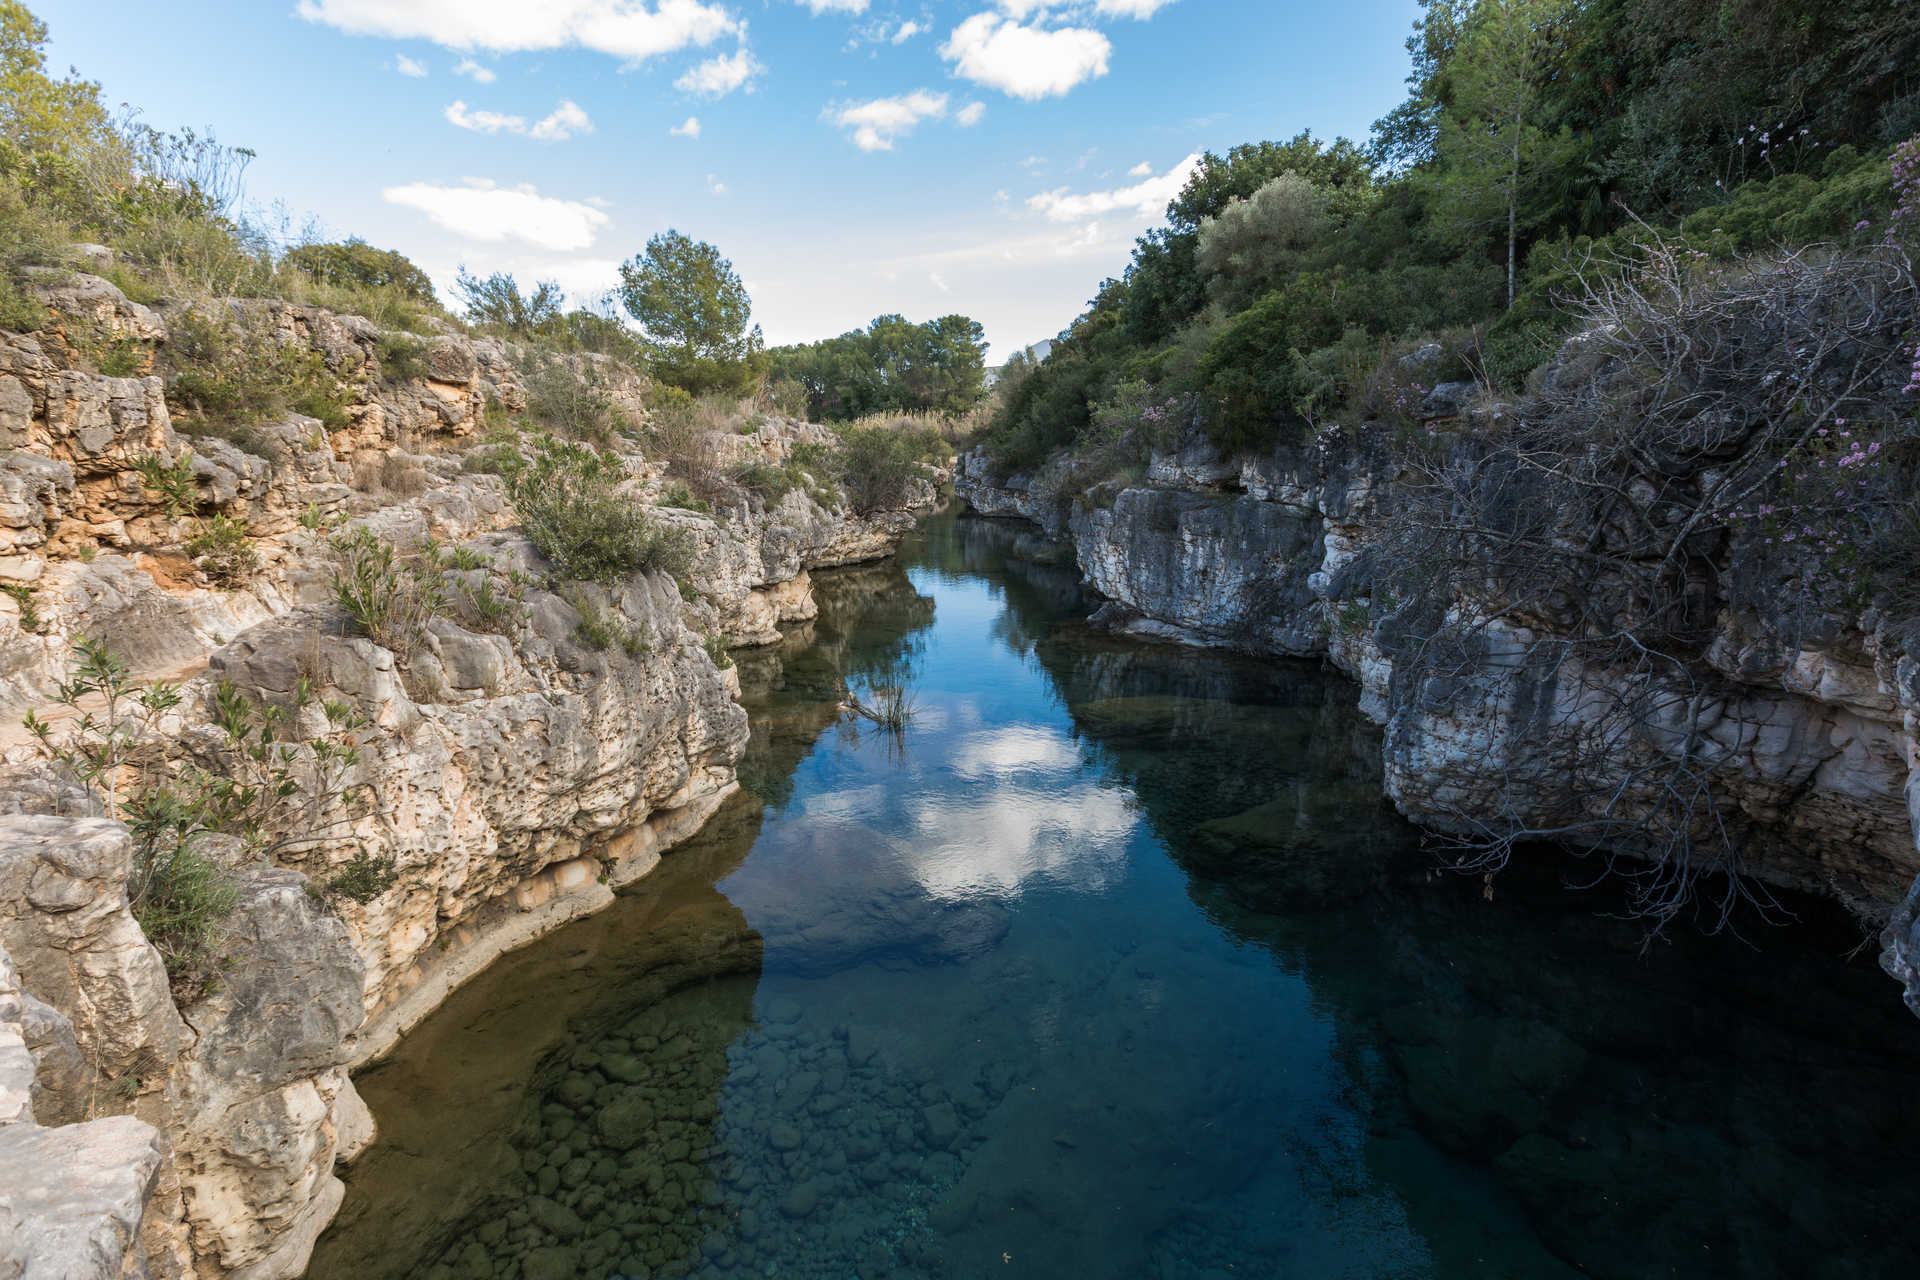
(892, 365)
(694, 314)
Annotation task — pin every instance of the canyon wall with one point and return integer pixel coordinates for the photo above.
(509, 777)
(1812, 740)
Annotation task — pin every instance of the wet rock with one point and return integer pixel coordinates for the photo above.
(551, 1263)
(800, 1200)
(623, 1124)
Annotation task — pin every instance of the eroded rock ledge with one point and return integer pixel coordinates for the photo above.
(515, 780)
(1255, 555)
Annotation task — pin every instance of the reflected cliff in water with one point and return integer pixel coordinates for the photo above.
(1117, 964)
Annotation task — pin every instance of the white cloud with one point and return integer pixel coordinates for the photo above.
(408, 67)
(718, 77)
(818, 7)
(482, 211)
(1147, 197)
(1029, 62)
(715, 186)
(479, 74)
(1129, 8)
(1140, 170)
(970, 115)
(907, 31)
(877, 123)
(689, 129)
(934, 278)
(566, 120)
(632, 30)
(483, 121)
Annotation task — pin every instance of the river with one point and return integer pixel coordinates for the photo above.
(1115, 963)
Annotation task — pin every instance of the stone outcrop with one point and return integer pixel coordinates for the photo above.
(1816, 738)
(512, 772)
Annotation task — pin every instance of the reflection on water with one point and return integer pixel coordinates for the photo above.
(1122, 967)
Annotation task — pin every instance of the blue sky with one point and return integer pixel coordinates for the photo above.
(852, 157)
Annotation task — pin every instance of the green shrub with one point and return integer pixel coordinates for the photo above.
(486, 610)
(570, 395)
(566, 495)
(390, 599)
(228, 371)
(600, 629)
(174, 485)
(223, 551)
(879, 465)
(679, 495)
(363, 879)
(22, 595)
(715, 646)
(401, 358)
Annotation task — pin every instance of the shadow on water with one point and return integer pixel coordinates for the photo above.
(1123, 967)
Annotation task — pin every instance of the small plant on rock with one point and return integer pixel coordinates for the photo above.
(223, 551)
(172, 483)
(22, 595)
(389, 598)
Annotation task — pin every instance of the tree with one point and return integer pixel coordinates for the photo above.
(694, 313)
(893, 365)
(1252, 245)
(37, 112)
(498, 303)
(1492, 140)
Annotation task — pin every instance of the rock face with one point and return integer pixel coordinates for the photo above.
(1816, 740)
(512, 771)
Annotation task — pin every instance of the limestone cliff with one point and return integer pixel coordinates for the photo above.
(1814, 733)
(511, 774)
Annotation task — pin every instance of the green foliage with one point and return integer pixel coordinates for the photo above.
(268, 793)
(363, 878)
(173, 483)
(694, 314)
(22, 596)
(356, 265)
(890, 366)
(879, 465)
(223, 551)
(391, 599)
(483, 608)
(402, 358)
(1252, 245)
(568, 498)
(679, 495)
(600, 629)
(230, 370)
(715, 646)
(497, 302)
(570, 395)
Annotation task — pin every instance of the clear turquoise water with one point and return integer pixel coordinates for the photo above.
(1116, 964)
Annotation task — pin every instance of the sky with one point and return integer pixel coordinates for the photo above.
(853, 158)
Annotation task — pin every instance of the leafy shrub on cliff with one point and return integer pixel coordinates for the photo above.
(880, 465)
(570, 395)
(228, 370)
(390, 598)
(250, 783)
(222, 550)
(569, 500)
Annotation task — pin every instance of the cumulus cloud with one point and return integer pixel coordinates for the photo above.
(1140, 170)
(566, 120)
(1029, 62)
(1146, 197)
(408, 67)
(876, 124)
(718, 77)
(907, 31)
(482, 211)
(479, 74)
(938, 281)
(632, 30)
(715, 186)
(818, 7)
(970, 115)
(689, 129)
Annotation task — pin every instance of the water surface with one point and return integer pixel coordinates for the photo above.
(1115, 963)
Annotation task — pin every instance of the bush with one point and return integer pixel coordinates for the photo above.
(355, 264)
(570, 395)
(567, 497)
(364, 878)
(402, 358)
(600, 629)
(232, 372)
(389, 599)
(174, 484)
(880, 465)
(222, 550)
(392, 474)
